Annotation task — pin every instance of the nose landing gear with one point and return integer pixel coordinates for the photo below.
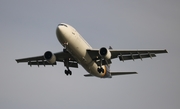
(68, 71)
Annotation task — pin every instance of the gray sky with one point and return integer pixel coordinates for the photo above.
(27, 28)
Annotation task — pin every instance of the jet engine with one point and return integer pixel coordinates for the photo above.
(105, 53)
(50, 57)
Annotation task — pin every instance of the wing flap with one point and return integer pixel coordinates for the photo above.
(133, 57)
(116, 53)
(40, 63)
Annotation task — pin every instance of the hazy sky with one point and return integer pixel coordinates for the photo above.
(27, 28)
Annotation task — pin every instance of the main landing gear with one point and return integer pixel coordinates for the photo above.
(66, 62)
(68, 71)
(100, 70)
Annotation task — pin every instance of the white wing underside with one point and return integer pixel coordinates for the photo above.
(40, 60)
(124, 55)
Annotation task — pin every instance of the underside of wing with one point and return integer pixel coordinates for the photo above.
(93, 53)
(124, 55)
(135, 54)
(40, 60)
(95, 56)
(30, 59)
(40, 63)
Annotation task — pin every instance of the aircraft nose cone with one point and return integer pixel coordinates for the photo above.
(60, 30)
(59, 27)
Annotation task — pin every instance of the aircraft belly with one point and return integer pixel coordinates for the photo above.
(77, 48)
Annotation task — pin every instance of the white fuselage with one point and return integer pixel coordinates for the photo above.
(77, 46)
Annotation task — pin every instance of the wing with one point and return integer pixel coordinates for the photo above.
(124, 55)
(40, 60)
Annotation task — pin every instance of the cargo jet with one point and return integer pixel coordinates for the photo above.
(78, 52)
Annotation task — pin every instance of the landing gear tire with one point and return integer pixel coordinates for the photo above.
(100, 70)
(64, 50)
(68, 72)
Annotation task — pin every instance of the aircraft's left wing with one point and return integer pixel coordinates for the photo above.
(40, 60)
(124, 55)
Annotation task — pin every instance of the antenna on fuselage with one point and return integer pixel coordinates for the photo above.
(110, 47)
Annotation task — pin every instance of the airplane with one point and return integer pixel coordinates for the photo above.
(77, 51)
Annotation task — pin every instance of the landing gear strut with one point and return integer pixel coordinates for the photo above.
(68, 71)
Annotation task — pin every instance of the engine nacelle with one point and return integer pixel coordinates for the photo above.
(50, 57)
(105, 53)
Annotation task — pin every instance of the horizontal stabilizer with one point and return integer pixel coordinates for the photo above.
(88, 75)
(114, 73)
(122, 73)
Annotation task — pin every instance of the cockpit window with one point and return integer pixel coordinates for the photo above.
(63, 25)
